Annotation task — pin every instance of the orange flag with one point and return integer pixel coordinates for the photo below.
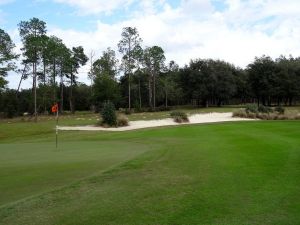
(54, 108)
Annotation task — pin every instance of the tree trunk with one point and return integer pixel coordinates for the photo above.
(205, 103)
(22, 77)
(290, 101)
(34, 90)
(150, 91)
(44, 81)
(140, 97)
(71, 94)
(154, 92)
(129, 71)
(166, 98)
(129, 93)
(61, 94)
(54, 81)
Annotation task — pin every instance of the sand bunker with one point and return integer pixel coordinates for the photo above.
(133, 125)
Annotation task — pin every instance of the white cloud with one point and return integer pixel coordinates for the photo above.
(95, 6)
(196, 30)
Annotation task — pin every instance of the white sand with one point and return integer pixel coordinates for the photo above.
(133, 125)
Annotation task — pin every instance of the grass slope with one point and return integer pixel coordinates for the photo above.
(231, 173)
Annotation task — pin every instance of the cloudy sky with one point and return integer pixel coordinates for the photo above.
(233, 30)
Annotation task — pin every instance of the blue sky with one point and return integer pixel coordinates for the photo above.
(233, 30)
(62, 14)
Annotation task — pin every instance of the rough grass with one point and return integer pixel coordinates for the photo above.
(287, 115)
(230, 173)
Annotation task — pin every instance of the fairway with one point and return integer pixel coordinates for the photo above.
(228, 173)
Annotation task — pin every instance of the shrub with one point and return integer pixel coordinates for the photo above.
(251, 108)
(179, 117)
(122, 121)
(108, 114)
(264, 109)
(263, 116)
(127, 111)
(279, 109)
(252, 115)
(267, 114)
(240, 113)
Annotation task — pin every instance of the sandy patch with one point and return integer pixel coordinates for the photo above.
(133, 125)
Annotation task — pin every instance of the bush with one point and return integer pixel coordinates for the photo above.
(279, 109)
(179, 117)
(127, 111)
(251, 108)
(122, 121)
(264, 109)
(263, 116)
(240, 113)
(268, 115)
(108, 114)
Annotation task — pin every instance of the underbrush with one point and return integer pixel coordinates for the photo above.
(179, 117)
(122, 121)
(266, 113)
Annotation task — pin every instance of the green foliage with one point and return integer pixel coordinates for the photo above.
(208, 79)
(253, 108)
(106, 64)
(6, 56)
(108, 113)
(279, 109)
(264, 109)
(179, 117)
(106, 89)
(130, 47)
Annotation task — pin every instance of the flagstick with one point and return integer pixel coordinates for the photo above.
(56, 130)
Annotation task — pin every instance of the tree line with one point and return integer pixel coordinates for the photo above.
(141, 80)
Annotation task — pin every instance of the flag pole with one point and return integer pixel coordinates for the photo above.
(56, 128)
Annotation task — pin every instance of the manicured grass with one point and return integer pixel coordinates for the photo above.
(31, 168)
(227, 173)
